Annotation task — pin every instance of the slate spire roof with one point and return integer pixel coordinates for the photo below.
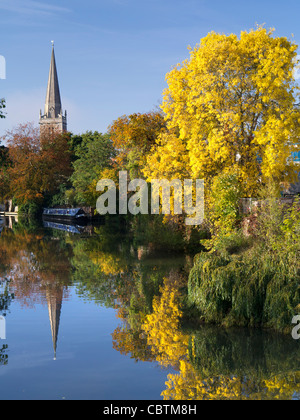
(53, 119)
(53, 106)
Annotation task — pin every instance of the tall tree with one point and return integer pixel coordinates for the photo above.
(38, 166)
(232, 105)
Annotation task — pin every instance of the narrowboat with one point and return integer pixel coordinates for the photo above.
(68, 215)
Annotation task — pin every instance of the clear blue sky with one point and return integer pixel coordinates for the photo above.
(112, 55)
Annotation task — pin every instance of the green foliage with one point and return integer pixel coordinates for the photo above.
(5, 163)
(223, 207)
(290, 229)
(279, 223)
(165, 236)
(251, 353)
(94, 154)
(255, 280)
(31, 209)
(65, 196)
(252, 289)
(70, 197)
(75, 141)
(270, 217)
(4, 157)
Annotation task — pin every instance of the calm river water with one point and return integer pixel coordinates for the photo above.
(94, 314)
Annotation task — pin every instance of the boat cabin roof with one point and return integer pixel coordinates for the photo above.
(63, 212)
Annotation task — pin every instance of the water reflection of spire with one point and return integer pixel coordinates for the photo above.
(54, 299)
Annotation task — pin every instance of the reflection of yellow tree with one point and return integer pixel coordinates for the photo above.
(130, 342)
(108, 263)
(189, 385)
(162, 327)
(283, 387)
(135, 294)
(170, 347)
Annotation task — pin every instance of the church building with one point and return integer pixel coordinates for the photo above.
(53, 120)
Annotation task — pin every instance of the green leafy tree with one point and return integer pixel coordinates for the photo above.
(223, 207)
(75, 141)
(94, 155)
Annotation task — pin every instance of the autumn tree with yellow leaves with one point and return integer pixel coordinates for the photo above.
(133, 136)
(231, 105)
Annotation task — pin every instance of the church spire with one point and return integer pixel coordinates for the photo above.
(53, 102)
(53, 118)
(54, 300)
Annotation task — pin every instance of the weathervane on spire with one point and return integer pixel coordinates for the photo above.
(52, 42)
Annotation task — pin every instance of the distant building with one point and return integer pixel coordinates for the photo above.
(293, 189)
(53, 119)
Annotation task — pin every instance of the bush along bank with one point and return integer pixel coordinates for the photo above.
(251, 281)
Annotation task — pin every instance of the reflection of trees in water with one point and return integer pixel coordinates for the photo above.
(242, 352)
(95, 272)
(114, 271)
(38, 268)
(189, 384)
(109, 269)
(3, 354)
(32, 263)
(211, 363)
(6, 296)
(220, 364)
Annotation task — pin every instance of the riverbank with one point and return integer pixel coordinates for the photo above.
(254, 288)
(251, 280)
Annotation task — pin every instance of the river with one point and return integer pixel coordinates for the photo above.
(95, 313)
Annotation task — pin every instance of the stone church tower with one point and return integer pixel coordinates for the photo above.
(53, 119)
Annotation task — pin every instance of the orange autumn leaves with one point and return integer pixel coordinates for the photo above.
(38, 165)
(133, 137)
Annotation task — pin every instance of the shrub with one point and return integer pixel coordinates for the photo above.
(252, 289)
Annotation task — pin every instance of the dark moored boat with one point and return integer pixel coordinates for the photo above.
(67, 215)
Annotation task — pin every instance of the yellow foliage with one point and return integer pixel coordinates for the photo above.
(230, 105)
(168, 343)
(190, 385)
(108, 263)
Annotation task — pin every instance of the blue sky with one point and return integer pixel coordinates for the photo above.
(112, 55)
